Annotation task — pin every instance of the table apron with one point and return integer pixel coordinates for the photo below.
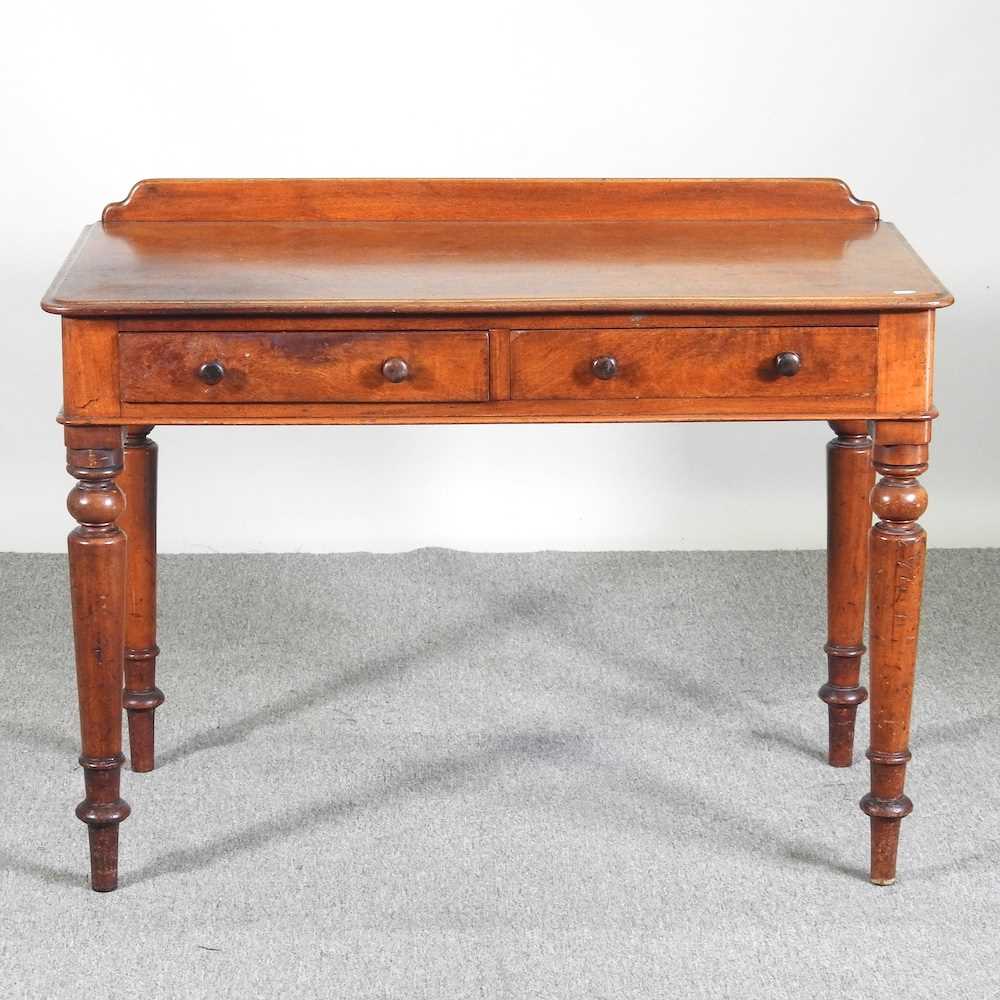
(518, 369)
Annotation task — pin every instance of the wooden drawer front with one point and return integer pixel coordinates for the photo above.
(304, 367)
(668, 363)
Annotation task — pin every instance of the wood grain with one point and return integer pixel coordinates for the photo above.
(97, 591)
(142, 697)
(906, 361)
(533, 411)
(898, 550)
(499, 364)
(463, 321)
(487, 301)
(147, 268)
(849, 478)
(304, 367)
(487, 200)
(657, 364)
(90, 370)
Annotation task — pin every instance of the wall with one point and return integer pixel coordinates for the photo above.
(901, 100)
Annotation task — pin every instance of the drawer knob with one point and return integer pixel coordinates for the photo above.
(211, 372)
(787, 363)
(395, 370)
(604, 367)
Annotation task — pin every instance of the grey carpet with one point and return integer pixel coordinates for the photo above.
(442, 775)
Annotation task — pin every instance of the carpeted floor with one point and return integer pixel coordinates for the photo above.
(441, 775)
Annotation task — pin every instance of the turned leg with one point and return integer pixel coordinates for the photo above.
(849, 478)
(97, 585)
(142, 697)
(898, 545)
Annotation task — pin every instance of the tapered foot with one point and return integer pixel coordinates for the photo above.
(885, 816)
(141, 699)
(102, 810)
(103, 858)
(842, 709)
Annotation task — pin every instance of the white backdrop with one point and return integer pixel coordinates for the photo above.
(902, 100)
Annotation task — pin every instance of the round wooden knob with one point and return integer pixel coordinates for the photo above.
(395, 370)
(787, 363)
(604, 367)
(211, 372)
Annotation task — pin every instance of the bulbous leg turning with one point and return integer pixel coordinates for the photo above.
(97, 586)
(898, 547)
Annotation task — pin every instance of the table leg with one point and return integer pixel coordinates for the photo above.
(849, 478)
(898, 545)
(97, 586)
(142, 697)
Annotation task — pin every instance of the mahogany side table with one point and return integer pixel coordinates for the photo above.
(480, 301)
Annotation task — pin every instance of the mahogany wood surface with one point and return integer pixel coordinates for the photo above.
(309, 366)
(461, 321)
(141, 697)
(849, 481)
(144, 268)
(97, 585)
(163, 389)
(487, 301)
(360, 246)
(898, 548)
(692, 363)
(489, 200)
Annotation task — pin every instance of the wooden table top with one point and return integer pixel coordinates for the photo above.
(323, 247)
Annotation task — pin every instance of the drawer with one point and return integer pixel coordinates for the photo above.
(304, 367)
(683, 362)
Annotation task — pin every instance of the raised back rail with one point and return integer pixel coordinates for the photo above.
(486, 200)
